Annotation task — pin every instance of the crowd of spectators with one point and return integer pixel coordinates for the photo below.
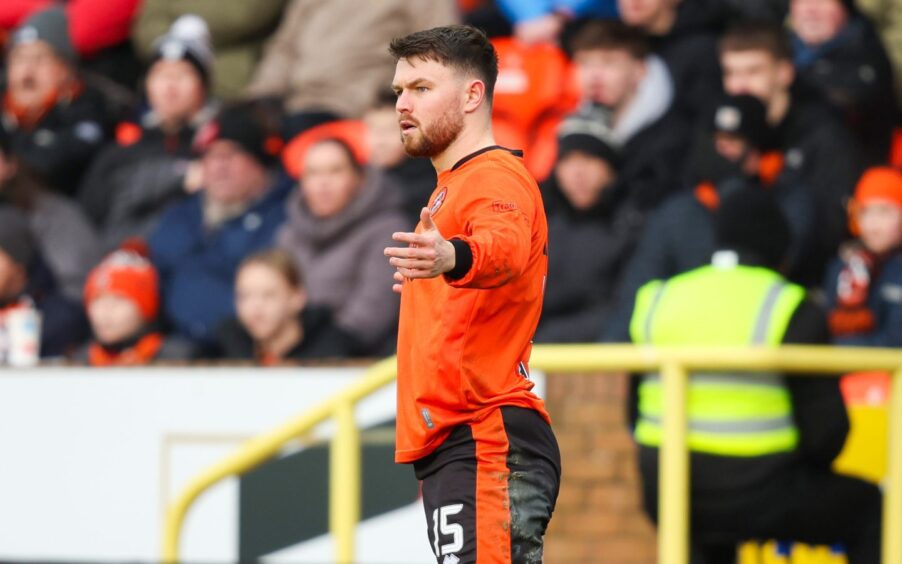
(149, 208)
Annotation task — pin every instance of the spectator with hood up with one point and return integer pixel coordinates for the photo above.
(339, 220)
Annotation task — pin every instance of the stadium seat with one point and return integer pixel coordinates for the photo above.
(351, 132)
(537, 86)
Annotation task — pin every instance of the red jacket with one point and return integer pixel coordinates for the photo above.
(93, 24)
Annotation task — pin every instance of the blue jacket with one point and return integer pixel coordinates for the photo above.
(197, 268)
(517, 11)
(884, 300)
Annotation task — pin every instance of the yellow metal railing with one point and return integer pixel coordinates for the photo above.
(674, 365)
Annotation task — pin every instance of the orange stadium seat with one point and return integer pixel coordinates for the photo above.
(537, 86)
(352, 132)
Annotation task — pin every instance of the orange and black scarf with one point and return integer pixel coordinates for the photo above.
(141, 353)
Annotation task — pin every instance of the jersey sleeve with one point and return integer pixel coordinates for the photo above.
(498, 228)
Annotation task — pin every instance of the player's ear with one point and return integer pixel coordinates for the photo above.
(474, 95)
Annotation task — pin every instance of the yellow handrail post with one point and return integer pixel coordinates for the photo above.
(673, 495)
(172, 529)
(892, 500)
(344, 482)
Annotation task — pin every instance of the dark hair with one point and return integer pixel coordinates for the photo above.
(757, 36)
(345, 148)
(609, 35)
(460, 46)
(280, 261)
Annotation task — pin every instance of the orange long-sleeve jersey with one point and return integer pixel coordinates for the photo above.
(464, 343)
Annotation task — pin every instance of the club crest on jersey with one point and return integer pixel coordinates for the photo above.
(438, 201)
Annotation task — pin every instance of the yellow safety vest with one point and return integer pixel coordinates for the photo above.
(729, 414)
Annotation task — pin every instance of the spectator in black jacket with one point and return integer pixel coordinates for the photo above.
(815, 145)
(55, 121)
(837, 52)
(684, 34)
(26, 282)
(274, 322)
(679, 236)
(153, 163)
(632, 93)
(66, 238)
(581, 202)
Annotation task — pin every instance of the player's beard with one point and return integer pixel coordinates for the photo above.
(439, 137)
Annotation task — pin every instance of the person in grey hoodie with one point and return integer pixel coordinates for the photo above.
(630, 91)
(339, 221)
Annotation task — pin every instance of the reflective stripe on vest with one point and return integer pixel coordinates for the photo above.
(730, 414)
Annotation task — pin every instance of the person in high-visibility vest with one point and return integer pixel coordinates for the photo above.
(761, 444)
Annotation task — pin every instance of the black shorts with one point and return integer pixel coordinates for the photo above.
(490, 488)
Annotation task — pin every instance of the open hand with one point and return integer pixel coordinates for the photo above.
(427, 255)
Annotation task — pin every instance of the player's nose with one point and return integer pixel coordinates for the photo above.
(403, 105)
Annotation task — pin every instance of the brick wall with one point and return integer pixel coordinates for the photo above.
(598, 519)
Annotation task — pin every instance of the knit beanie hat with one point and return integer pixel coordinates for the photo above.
(879, 183)
(188, 39)
(241, 124)
(750, 220)
(744, 116)
(127, 273)
(52, 27)
(586, 132)
(15, 235)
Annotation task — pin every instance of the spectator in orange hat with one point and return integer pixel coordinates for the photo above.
(864, 284)
(122, 299)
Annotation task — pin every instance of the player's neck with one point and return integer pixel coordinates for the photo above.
(469, 141)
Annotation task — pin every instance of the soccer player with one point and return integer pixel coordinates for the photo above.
(471, 280)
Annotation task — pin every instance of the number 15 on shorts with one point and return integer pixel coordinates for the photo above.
(454, 532)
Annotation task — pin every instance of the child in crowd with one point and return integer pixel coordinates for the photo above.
(864, 284)
(274, 322)
(122, 299)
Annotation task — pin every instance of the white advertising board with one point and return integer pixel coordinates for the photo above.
(90, 458)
